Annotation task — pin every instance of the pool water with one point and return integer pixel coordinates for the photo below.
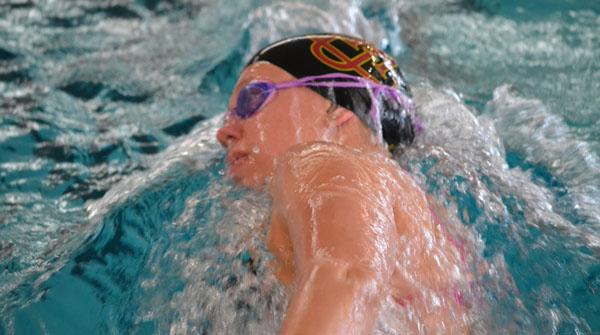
(116, 216)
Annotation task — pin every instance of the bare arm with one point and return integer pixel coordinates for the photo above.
(343, 233)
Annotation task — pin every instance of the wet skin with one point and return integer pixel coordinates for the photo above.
(349, 228)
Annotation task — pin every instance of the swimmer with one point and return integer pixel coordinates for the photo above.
(312, 120)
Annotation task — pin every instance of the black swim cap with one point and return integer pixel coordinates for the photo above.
(318, 54)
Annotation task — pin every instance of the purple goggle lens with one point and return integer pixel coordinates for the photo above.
(252, 98)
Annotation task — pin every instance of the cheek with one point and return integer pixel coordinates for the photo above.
(299, 116)
(284, 122)
(287, 124)
(264, 142)
(273, 144)
(276, 132)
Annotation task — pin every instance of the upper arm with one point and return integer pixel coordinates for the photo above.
(335, 211)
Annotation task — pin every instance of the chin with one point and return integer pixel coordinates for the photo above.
(253, 182)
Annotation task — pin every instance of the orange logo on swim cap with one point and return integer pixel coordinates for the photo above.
(327, 53)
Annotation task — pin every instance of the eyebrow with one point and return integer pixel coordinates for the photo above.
(244, 82)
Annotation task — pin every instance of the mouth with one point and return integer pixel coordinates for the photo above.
(236, 159)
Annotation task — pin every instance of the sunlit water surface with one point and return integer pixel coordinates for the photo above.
(115, 215)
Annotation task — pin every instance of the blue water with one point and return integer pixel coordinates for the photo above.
(115, 216)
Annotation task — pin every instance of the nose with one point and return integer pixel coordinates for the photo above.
(229, 132)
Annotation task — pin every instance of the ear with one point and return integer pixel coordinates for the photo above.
(340, 115)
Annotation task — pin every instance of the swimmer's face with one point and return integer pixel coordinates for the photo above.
(292, 116)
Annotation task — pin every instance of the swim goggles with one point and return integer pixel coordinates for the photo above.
(254, 96)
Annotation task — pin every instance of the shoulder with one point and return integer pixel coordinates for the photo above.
(317, 164)
(323, 167)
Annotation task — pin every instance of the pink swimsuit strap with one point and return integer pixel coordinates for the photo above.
(408, 299)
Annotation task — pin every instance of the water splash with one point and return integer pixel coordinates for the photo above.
(98, 100)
